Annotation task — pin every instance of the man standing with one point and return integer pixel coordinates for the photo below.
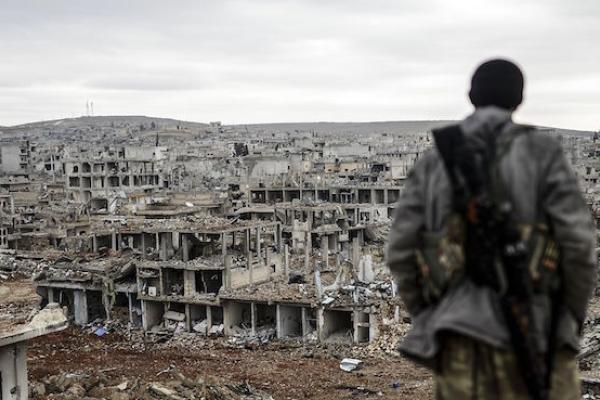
(493, 251)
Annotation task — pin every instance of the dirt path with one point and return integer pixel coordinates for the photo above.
(286, 373)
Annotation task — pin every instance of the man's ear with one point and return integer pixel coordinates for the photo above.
(471, 96)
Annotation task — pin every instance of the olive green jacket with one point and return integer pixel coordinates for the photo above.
(542, 187)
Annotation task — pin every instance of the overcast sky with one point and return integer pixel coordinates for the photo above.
(306, 60)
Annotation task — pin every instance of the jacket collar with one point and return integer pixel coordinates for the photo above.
(486, 119)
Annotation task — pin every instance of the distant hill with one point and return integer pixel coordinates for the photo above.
(172, 126)
(568, 132)
(110, 121)
(350, 127)
(378, 127)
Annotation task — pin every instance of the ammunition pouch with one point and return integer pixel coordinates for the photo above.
(543, 258)
(441, 260)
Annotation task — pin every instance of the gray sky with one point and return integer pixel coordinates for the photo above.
(284, 60)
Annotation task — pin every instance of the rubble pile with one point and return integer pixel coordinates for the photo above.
(379, 232)
(590, 345)
(85, 270)
(589, 355)
(72, 386)
(357, 293)
(244, 337)
(590, 389)
(18, 304)
(11, 266)
(278, 287)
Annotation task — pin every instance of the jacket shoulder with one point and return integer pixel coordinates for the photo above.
(427, 161)
(539, 144)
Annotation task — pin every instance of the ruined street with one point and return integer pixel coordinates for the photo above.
(282, 370)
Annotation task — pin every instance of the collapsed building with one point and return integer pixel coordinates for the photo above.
(211, 276)
(251, 232)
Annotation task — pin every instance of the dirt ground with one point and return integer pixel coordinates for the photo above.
(286, 372)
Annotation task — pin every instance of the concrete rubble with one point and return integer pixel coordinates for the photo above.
(72, 386)
(186, 235)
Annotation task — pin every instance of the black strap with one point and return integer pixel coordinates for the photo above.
(447, 140)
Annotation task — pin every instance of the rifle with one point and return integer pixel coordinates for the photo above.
(496, 253)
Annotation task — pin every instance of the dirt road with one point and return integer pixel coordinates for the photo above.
(285, 372)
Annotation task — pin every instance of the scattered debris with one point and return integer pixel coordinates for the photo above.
(100, 386)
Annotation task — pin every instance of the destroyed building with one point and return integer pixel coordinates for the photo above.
(252, 233)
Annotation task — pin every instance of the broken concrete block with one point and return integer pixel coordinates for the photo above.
(76, 390)
(174, 316)
(163, 391)
(201, 327)
(327, 300)
(216, 330)
(350, 364)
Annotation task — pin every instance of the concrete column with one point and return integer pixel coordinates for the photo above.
(143, 246)
(258, 254)
(320, 325)
(163, 246)
(120, 241)
(227, 318)
(279, 239)
(247, 241)
(267, 256)
(355, 326)
(227, 273)
(278, 322)
(305, 323)
(355, 255)
(209, 320)
(189, 283)
(95, 244)
(157, 240)
(13, 364)
(307, 249)
(373, 196)
(385, 196)
(253, 317)
(188, 318)
(113, 241)
(336, 248)
(224, 244)
(175, 240)
(373, 327)
(325, 251)
(250, 269)
(130, 305)
(286, 260)
(80, 307)
(185, 248)
(50, 295)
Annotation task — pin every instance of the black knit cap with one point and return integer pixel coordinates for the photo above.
(499, 83)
